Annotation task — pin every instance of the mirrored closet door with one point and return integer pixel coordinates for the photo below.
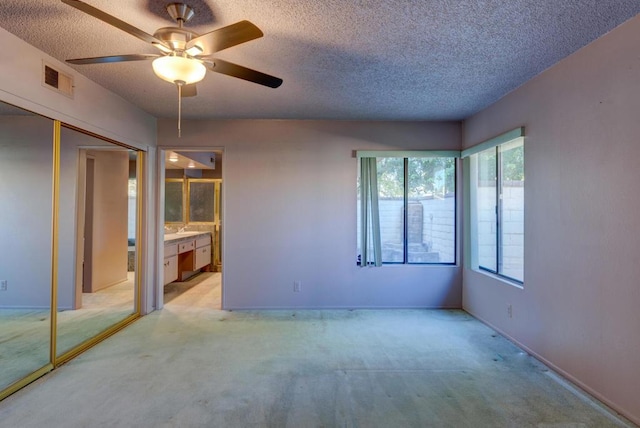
(26, 174)
(69, 246)
(97, 238)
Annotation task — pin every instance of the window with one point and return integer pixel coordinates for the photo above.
(497, 201)
(407, 209)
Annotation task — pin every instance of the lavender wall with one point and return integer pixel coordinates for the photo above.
(579, 306)
(26, 165)
(290, 212)
(92, 108)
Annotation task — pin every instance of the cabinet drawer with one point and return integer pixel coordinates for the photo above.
(203, 256)
(170, 250)
(170, 269)
(183, 247)
(203, 240)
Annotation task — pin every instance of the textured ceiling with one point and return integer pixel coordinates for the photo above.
(358, 59)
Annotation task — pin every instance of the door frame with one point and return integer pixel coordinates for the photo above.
(160, 165)
(81, 198)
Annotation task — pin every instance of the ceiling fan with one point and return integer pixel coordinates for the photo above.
(184, 56)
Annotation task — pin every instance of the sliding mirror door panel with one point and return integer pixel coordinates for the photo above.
(26, 174)
(96, 270)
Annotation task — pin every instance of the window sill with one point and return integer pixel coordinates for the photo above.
(503, 279)
(408, 265)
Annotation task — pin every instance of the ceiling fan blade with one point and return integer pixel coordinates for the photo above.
(234, 70)
(189, 90)
(113, 58)
(225, 37)
(112, 20)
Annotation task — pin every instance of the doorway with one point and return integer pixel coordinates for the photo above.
(191, 202)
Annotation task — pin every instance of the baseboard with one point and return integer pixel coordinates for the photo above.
(116, 282)
(47, 308)
(331, 308)
(610, 405)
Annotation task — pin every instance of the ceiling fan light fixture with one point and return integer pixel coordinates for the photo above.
(194, 50)
(176, 69)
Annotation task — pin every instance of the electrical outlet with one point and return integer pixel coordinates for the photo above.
(296, 286)
(510, 311)
(3, 285)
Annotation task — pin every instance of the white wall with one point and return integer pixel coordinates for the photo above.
(110, 218)
(26, 153)
(290, 212)
(92, 108)
(579, 306)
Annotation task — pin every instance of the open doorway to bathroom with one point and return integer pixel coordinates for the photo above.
(191, 206)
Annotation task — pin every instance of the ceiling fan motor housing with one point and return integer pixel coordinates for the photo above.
(176, 38)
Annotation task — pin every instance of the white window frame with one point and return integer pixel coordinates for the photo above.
(471, 213)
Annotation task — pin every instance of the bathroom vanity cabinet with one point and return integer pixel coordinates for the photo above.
(170, 263)
(185, 253)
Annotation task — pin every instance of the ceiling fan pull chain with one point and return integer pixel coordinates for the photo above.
(179, 108)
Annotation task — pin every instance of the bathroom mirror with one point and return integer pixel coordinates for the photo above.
(174, 200)
(97, 239)
(26, 169)
(201, 201)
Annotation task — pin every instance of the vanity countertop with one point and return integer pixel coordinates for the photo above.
(172, 238)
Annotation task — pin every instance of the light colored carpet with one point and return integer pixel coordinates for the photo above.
(24, 343)
(24, 333)
(202, 291)
(193, 366)
(99, 311)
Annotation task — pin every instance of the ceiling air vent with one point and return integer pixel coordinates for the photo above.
(57, 80)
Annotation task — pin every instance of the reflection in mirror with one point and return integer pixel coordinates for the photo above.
(26, 166)
(96, 270)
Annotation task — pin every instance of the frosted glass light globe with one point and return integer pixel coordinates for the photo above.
(176, 69)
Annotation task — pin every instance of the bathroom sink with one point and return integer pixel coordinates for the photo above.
(176, 235)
